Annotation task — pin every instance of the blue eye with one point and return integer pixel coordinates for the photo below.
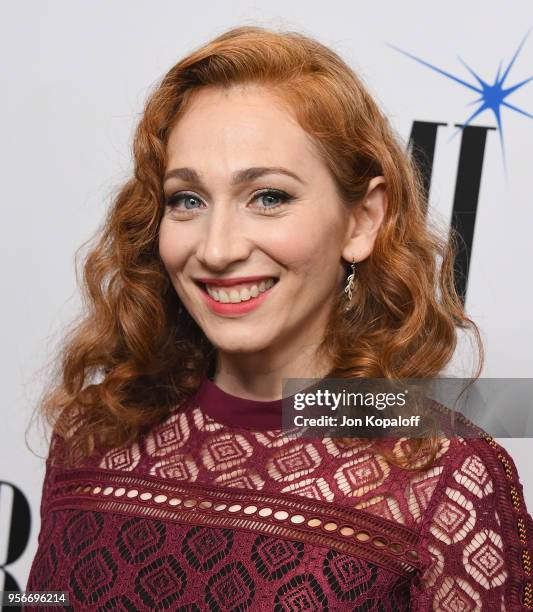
(274, 193)
(174, 200)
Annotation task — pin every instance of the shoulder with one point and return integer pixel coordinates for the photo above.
(481, 474)
(475, 537)
(478, 468)
(475, 465)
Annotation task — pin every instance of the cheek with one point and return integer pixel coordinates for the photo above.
(167, 254)
(172, 247)
(308, 243)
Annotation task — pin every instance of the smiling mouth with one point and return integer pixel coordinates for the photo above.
(236, 294)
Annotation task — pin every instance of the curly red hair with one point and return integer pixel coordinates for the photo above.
(135, 351)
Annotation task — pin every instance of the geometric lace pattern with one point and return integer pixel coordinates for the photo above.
(455, 536)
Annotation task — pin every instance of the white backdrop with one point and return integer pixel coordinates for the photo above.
(73, 80)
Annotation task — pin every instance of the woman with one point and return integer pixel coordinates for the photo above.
(274, 228)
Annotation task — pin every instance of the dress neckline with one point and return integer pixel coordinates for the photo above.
(238, 411)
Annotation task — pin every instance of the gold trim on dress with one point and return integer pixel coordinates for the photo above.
(349, 530)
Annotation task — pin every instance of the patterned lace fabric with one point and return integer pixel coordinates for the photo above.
(217, 508)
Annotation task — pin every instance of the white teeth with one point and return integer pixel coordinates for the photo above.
(235, 296)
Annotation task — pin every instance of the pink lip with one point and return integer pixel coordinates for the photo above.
(235, 309)
(228, 282)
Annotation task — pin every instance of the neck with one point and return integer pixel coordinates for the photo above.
(250, 377)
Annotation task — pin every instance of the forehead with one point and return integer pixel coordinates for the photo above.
(244, 121)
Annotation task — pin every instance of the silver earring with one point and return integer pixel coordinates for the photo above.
(349, 285)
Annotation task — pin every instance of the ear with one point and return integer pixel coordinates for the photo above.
(365, 220)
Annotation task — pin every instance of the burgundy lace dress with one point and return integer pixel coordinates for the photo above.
(217, 509)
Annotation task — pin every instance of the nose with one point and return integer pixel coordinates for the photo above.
(223, 240)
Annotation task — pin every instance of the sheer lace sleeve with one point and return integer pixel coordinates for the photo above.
(49, 474)
(476, 540)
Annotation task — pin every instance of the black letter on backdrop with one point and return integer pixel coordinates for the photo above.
(466, 197)
(18, 534)
(422, 147)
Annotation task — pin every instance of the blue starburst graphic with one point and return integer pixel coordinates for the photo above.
(492, 97)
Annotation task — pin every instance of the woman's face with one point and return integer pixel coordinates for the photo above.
(248, 196)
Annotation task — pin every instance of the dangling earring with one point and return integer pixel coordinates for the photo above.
(349, 285)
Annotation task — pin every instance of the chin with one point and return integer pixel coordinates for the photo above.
(240, 343)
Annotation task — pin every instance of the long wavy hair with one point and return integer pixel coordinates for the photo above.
(134, 352)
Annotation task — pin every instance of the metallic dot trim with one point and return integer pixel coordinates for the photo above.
(297, 519)
(348, 532)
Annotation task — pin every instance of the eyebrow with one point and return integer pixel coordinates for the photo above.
(239, 177)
